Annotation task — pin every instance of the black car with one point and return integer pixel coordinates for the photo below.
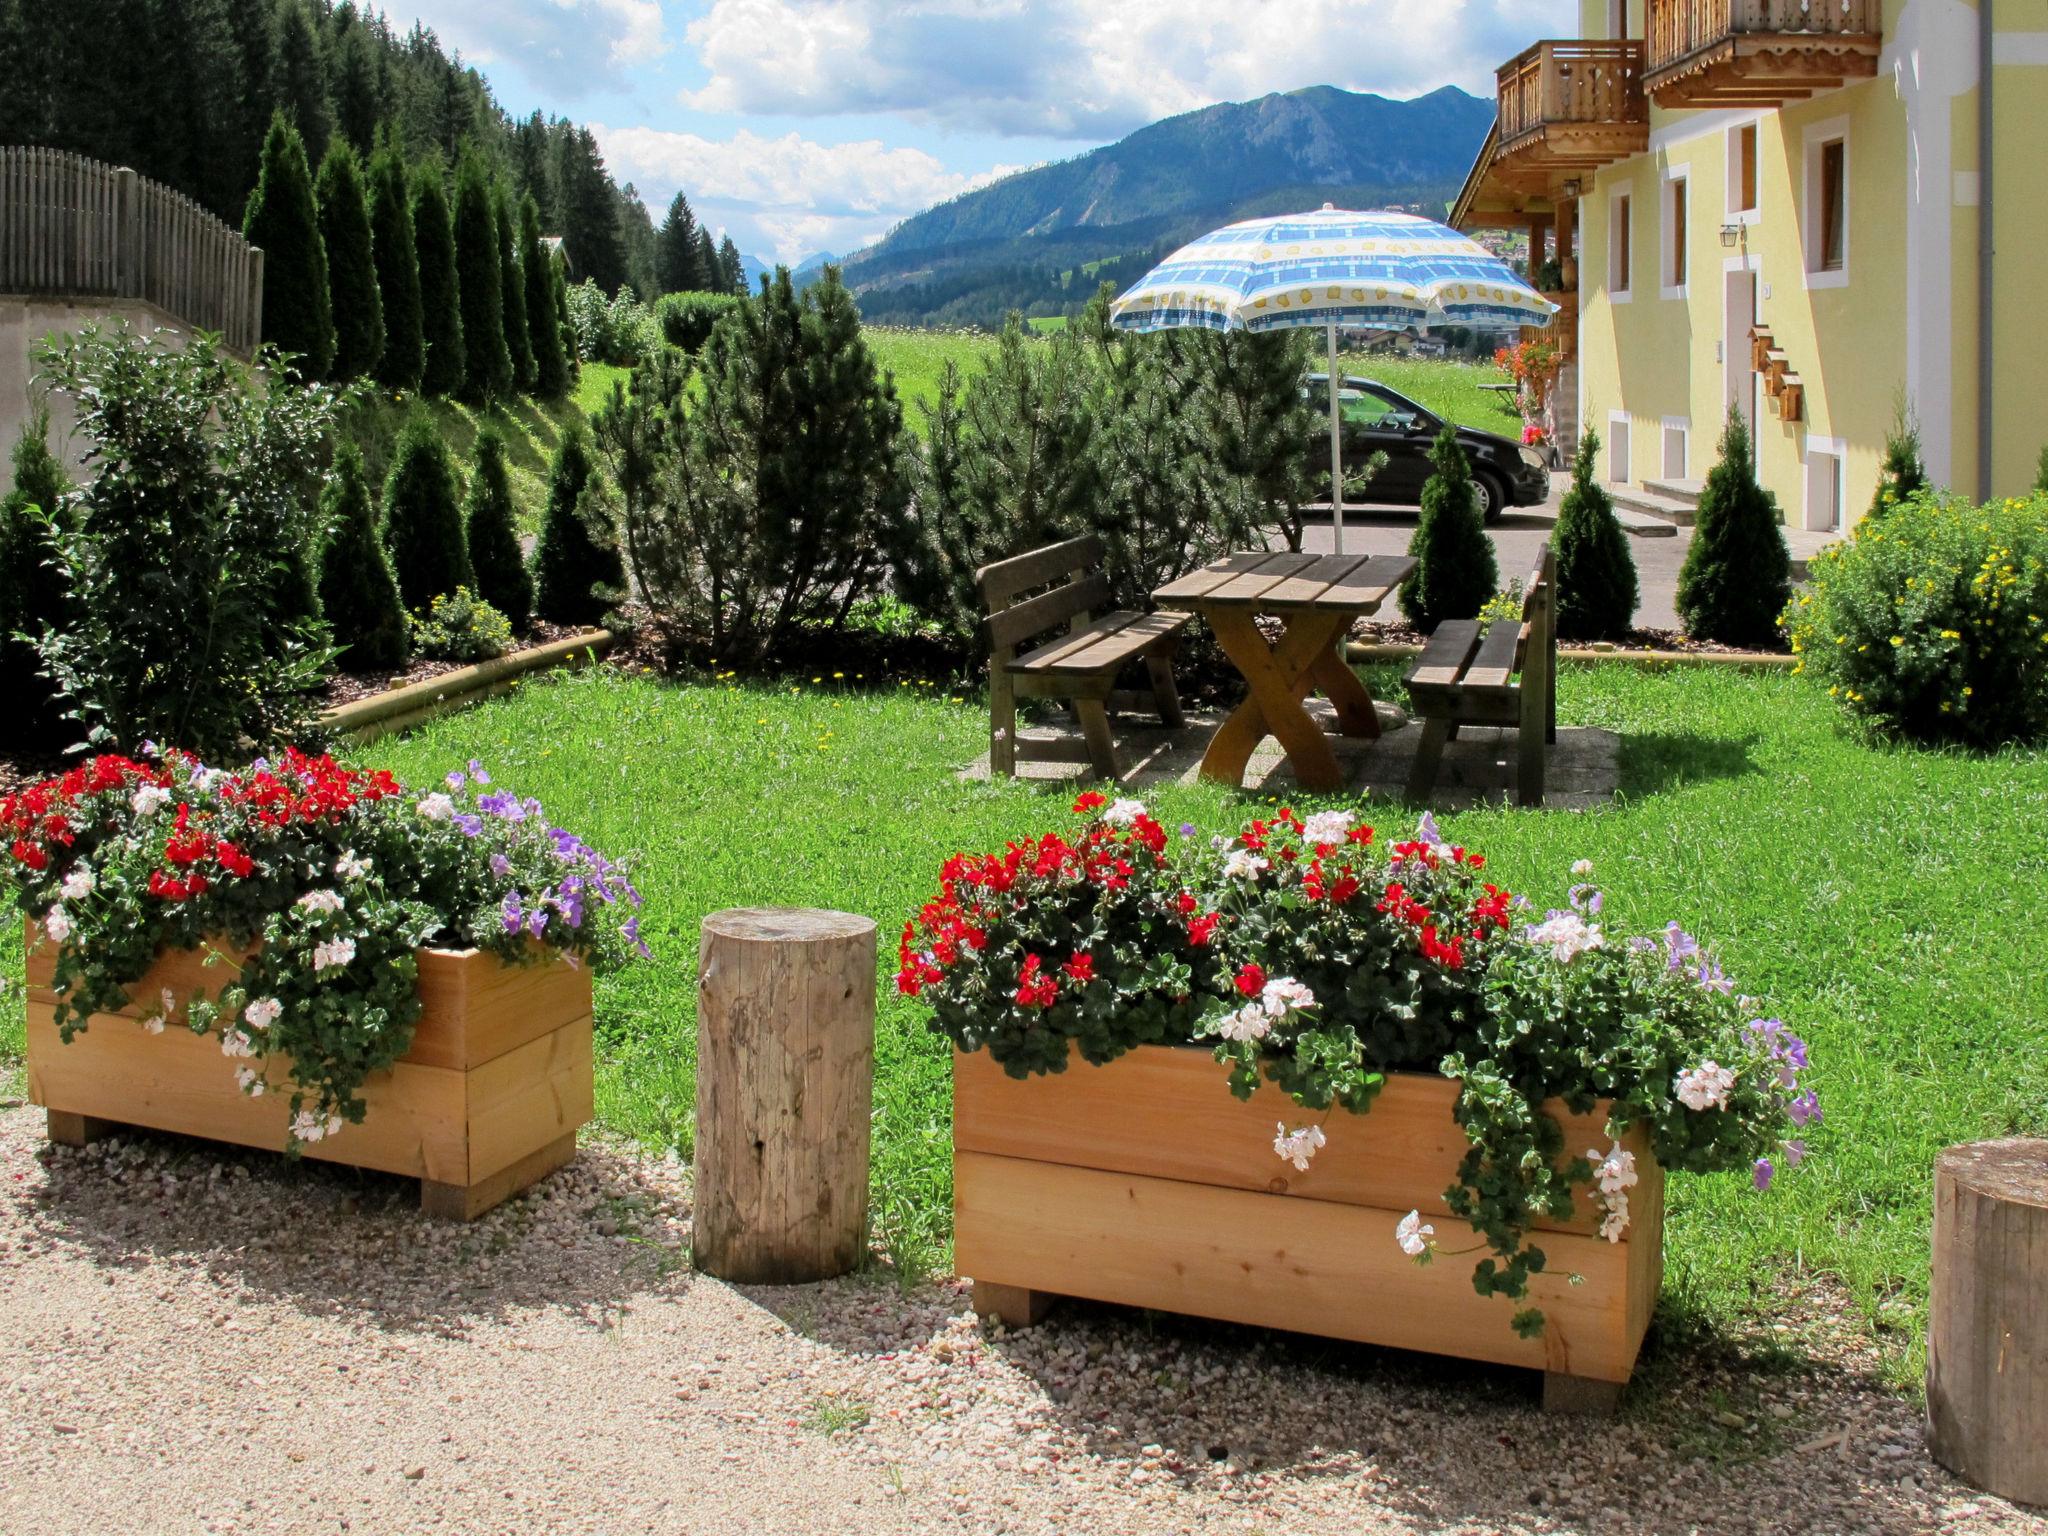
(1381, 420)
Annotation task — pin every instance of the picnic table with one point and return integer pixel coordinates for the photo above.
(1317, 598)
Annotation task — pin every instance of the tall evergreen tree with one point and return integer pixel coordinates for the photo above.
(577, 571)
(298, 315)
(445, 364)
(357, 589)
(558, 282)
(1455, 570)
(637, 236)
(731, 270)
(1737, 576)
(678, 264)
(1596, 573)
(512, 288)
(1901, 473)
(299, 74)
(398, 271)
(587, 209)
(32, 597)
(487, 363)
(423, 517)
(707, 262)
(351, 266)
(544, 330)
(356, 68)
(492, 526)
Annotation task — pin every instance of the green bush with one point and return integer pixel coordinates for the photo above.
(486, 362)
(31, 593)
(357, 306)
(1737, 575)
(1596, 573)
(618, 330)
(460, 626)
(1901, 475)
(423, 516)
(1931, 624)
(577, 573)
(685, 319)
(298, 313)
(357, 589)
(493, 528)
(1455, 570)
(396, 250)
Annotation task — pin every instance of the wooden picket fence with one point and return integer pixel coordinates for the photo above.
(76, 228)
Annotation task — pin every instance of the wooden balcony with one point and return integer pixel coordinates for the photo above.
(1568, 108)
(1757, 53)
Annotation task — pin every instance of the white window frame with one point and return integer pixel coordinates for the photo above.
(1616, 219)
(1683, 427)
(1810, 232)
(1836, 451)
(1733, 214)
(1676, 182)
(1620, 449)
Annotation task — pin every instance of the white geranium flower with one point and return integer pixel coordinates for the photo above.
(1326, 827)
(1566, 935)
(250, 1081)
(1282, 993)
(333, 953)
(57, 924)
(149, 799)
(322, 901)
(1415, 1235)
(169, 1000)
(1243, 864)
(1298, 1146)
(436, 807)
(1124, 812)
(1705, 1086)
(1615, 1222)
(153, 1025)
(78, 884)
(1615, 1172)
(350, 867)
(1582, 868)
(309, 1126)
(234, 1043)
(263, 1012)
(1248, 1023)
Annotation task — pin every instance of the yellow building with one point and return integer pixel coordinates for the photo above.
(1811, 210)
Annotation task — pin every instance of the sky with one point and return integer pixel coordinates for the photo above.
(801, 126)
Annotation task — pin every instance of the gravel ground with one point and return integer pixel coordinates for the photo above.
(200, 1340)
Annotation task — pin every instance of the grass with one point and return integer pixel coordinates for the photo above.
(917, 358)
(1450, 389)
(1881, 900)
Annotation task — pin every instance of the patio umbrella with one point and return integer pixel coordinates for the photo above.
(1333, 268)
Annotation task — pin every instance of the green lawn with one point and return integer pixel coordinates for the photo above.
(1450, 389)
(917, 358)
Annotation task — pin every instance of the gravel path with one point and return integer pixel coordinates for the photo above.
(202, 1341)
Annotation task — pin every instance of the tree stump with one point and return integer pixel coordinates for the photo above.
(1987, 1332)
(785, 1078)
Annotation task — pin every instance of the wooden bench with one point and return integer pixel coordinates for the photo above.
(1497, 674)
(1080, 665)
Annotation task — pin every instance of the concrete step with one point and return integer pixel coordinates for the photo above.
(1685, 491)
(1649, 507)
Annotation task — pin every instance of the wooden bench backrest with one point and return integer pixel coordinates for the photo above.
(1538, 661)
(1076, 565)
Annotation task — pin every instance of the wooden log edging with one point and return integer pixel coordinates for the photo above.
(398, 709)
(1742, 661)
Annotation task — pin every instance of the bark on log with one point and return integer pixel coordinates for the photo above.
(785, 1075)
(1987, 1334)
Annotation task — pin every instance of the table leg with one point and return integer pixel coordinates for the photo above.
(1278, 675)
(1343, 688)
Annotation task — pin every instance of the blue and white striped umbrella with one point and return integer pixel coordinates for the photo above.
(1336, 269)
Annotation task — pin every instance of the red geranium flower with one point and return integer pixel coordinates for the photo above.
(1081, 968)
(1251, 979)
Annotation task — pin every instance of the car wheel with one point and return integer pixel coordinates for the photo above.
(1492, 499)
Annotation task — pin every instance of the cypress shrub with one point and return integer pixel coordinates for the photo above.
(1737, 576)
(487, 364)
(298, 315)
(357, 588)
(536, 270)
(512, 286)
(493, 529)
(577, 571)
(440, 287)
(1455, 571)
(31, 592)
(1901, 475)
(558, 280)
(423, 517)
(352, 286)
(398, 272)
(1596, 573)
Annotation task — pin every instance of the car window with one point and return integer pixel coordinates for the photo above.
(1362, 410)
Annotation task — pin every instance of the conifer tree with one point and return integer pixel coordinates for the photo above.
(351, 267)
(577, 572)
(732, 271)
(487, 363)
(299, 76)
(298, 314)
(1596, 573)
(678, 263)
(707, 263)
(1737, 576)
(398, 272)
(493, 530)
(512, 287)
(544, 330)
(442, 371)
(558, 280)
(357, 589)
(423, 517)
(32, 597)
(1901, 473)
(1455, 570)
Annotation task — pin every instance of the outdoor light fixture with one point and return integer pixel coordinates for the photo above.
(1731, 234)
(1571, 188)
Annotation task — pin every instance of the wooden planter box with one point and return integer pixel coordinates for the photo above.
(1147, 1183)
(485, 1103)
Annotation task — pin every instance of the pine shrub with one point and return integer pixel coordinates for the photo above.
(1455, 570)
(1596, 573)
(442, 371)
(512, 287)
(423, 517)
(1737, 576)
(577, 572)
(686, 318)
(1901, 475)
(357, 588)
(281, 218)
(396, 254)
(493, 528)
(31, 592)
(544, 326)
(357, 305)
(487, 363)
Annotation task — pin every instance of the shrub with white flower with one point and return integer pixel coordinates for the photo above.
(1416, 1236)
(1298, 1145)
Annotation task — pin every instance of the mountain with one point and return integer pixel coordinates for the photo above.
(812, 267)
(1041, 239)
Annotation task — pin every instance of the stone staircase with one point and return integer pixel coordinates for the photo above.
(1676, 502)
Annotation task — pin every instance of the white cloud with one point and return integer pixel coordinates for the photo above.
(1088, 70)
(564, 47)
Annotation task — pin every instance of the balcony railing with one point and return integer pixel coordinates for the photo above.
(1684, 34)
(1591, 83)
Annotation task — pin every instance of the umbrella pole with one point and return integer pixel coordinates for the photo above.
(1336, 449)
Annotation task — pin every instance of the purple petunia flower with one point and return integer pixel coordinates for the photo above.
(1586, 899)
(536, 921)
(513, 918)
(1762, 1174)
(1805, 1110)
(500, 865)
(477, 774)
(455, 780)
(471, 826)
(1187, 829)
(631, 929)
